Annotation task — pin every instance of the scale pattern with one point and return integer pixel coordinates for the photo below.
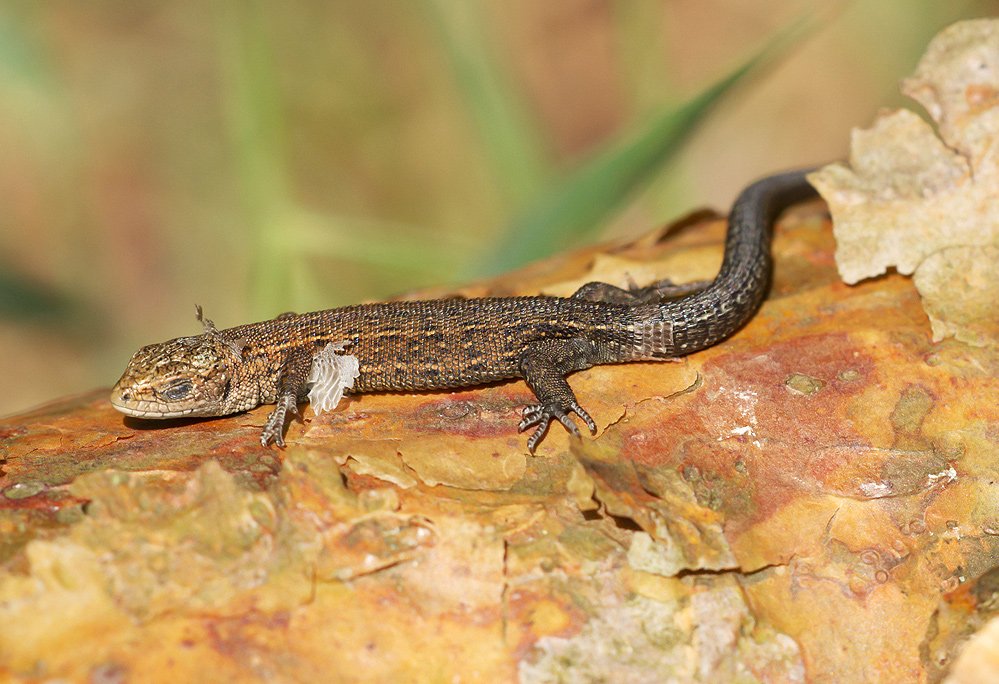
(451, 343)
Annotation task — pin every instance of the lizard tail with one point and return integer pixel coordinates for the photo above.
(700, 320)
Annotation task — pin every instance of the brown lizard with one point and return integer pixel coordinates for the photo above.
(451, 343)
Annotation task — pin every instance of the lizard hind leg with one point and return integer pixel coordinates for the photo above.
(544, 366)
(635, 296)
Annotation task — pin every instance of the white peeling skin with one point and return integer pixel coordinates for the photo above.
(331, 375)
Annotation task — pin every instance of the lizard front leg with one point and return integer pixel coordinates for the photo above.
(291, 385)
(544, 365)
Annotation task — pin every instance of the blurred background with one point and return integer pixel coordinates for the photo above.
(263, 156)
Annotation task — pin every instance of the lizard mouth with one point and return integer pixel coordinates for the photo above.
(123, 401)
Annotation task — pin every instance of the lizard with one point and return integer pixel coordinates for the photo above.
(453, 343)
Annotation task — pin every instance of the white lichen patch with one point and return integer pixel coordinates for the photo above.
(960, 289)
(709, 637)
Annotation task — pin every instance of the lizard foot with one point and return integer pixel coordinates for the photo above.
(543, 414)
(274, 429)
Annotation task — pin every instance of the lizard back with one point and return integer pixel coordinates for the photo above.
(448, 343)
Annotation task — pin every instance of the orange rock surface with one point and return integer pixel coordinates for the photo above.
(813, 500)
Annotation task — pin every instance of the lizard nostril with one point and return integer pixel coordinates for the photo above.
(126, 395)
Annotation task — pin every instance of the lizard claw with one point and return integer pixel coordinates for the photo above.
(543, 414)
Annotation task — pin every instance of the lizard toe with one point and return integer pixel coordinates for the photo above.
(581, 412)
(567, 422)
(533, 414)
(537, 436)
(542, 415)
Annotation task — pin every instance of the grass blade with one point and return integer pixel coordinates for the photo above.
(514, 145)
(575, 208)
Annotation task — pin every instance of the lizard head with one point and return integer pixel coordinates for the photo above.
(188, 376)
(183, 377)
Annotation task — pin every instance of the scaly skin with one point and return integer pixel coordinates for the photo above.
(451, 343)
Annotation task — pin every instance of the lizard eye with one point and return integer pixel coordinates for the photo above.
(176, 390)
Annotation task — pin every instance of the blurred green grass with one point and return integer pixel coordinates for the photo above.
(259, 157)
